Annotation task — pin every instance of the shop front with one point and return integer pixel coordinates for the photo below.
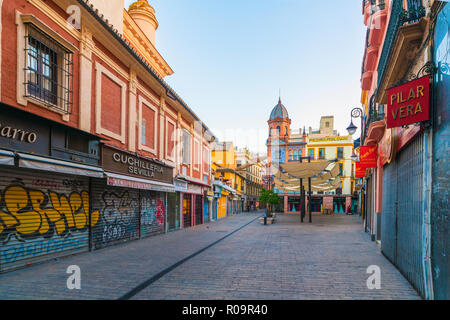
(339, 204)
(132, 200)
(175, 205)
(45, 172)
(294, 204)
(316, 204)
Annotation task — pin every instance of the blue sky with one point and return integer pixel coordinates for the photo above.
(231, 58)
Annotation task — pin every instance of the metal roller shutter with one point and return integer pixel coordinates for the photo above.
(119, 214)
(389, 215)
(411, 213)
(198, 209)
(153, 212)
(403, 213)
(42, 216)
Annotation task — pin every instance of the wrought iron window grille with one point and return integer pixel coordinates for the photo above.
(48, 70)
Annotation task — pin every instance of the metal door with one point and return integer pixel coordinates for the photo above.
(42, 216)
(206, 211)
(214, 209)
(119, 214)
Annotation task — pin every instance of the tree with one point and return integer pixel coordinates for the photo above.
(269, 198)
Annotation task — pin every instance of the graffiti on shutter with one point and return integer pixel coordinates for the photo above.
(153, 210)
(119, 214)
(42, 216)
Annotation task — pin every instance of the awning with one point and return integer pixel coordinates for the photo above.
(60, 166)
(119, 180)
(6, 158)
(305, 169)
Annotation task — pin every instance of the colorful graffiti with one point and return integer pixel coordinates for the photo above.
(153, 211)
(22, 250)
(118, 216)
(28, 213)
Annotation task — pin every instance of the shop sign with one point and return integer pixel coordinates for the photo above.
(117, 182)
(360, 171)
(25, 132)
(117, 161)
(408, 103)
(192, 188)
(180, 185)
(368, 156)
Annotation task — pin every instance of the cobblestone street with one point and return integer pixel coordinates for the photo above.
(324, 260)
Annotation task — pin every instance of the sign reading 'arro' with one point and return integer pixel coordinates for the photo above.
(408, 103)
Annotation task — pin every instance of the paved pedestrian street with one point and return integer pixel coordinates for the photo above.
(288, 260)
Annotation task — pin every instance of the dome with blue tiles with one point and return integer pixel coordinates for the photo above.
(279, 111)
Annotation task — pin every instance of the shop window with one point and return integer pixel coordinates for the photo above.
(48, 70)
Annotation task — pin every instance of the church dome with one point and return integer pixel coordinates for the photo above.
(279, 111)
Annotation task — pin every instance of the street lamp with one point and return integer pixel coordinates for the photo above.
(352, 128)
(354, 157)
(356, 113)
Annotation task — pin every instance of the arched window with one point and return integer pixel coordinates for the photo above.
(299, 154)
(291, 156)
(278, 130)
(295, 155)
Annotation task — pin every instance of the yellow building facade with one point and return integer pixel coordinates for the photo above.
(327, 144)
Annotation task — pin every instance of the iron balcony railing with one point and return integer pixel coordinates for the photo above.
(399, 16)
(376, 113)
(374, 5)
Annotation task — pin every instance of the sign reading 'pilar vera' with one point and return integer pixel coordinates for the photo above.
(408, 103)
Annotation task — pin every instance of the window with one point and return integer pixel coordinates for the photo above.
(340, 153)
(291, 156)
(296, 158)
(48, 70)
(143, 133)
(341, 169)
(327, 124)
(321, 153)
(186, 147)
(278, 130)
(311, 153)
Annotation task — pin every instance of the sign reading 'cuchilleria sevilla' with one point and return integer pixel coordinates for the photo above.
(408, 103)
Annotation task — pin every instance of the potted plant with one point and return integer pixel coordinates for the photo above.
(270, 199)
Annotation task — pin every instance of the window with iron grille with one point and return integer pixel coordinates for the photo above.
(48, 70)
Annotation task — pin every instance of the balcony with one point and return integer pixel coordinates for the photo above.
(374, 124)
